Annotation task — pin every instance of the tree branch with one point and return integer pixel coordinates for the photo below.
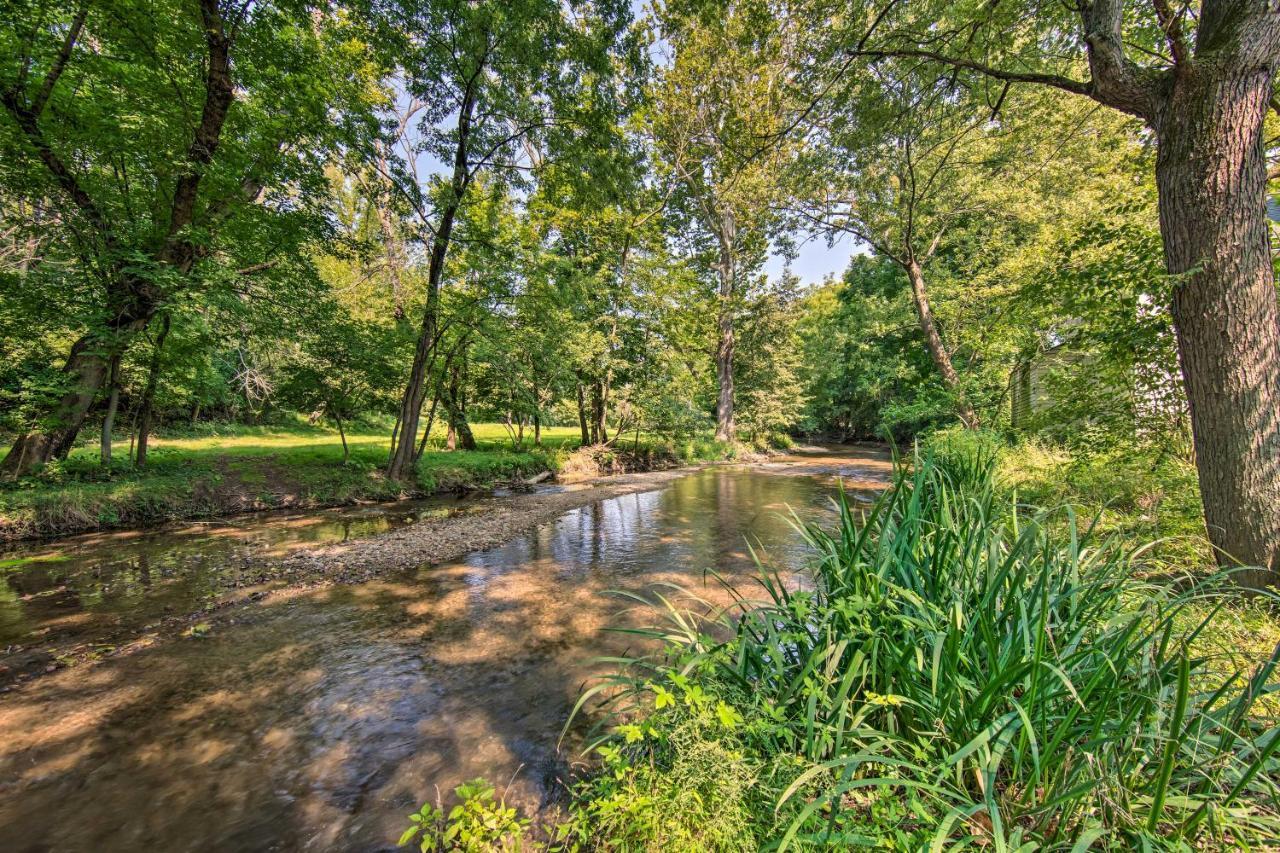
(218, 96)
(1116, 80)
(1173, 35)
(1057, 81)
(62, 174)
(59, 63)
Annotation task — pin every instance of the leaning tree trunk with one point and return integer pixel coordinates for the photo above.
(933, 341)
(86, 369)
(415, 392)
(1212, 180)
(725, 428)
(342, 434)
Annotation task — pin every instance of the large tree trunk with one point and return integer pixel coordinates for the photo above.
(933, 341)
(1211, 175)
(725, 429)
(87, 367)
(415, 392)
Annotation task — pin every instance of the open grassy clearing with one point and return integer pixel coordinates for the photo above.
(233, 468)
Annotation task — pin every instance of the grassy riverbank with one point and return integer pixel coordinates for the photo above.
(993, 657)
(226, 469)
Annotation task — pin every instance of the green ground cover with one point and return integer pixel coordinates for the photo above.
(225, 468)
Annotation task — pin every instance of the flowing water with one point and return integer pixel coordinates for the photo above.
(321, 718)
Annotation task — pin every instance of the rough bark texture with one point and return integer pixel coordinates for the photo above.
(1211, 175)
(933, 341)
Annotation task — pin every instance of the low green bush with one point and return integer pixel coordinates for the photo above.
(1142, 492)
(479, 823)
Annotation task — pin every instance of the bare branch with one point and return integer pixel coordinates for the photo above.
(1057, 81)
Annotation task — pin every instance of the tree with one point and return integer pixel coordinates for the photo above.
(340, 367)
(502, 75)
(892, 162)
(771, 397)
(1202, 81)
(155, 132)
(865, 373)
(717, 118)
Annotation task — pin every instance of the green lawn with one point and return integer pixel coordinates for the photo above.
(230, 468)
(223, 468)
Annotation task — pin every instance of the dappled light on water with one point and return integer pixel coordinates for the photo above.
(322, 717)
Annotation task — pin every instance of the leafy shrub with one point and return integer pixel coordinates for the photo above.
(998, 674)
(477, 824)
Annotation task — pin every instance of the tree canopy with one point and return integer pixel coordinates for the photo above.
(427, 212)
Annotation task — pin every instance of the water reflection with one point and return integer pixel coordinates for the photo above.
(319, 720)
(59, 593)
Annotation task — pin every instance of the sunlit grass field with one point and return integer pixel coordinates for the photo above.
(222, 468)
(303, 441)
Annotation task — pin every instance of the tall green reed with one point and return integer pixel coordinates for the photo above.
(998, 665)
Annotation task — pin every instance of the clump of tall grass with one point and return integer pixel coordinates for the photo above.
(995, 670)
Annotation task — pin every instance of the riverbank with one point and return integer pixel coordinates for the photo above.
(281, 567)
(238, 470)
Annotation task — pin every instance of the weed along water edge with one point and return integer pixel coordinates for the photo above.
(318, 717)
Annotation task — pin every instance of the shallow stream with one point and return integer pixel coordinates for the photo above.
(322, 717)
